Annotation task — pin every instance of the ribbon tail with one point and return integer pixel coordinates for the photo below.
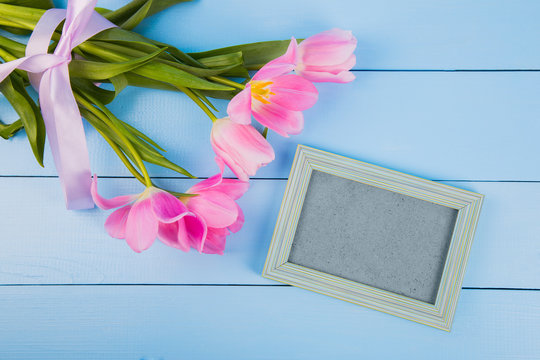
(65, 132)
(49, 73)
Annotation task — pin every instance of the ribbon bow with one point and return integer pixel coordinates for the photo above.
(49, 75)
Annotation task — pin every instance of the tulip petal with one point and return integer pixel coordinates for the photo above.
(315, 76)
(192, 230)
(167, 207)
(215, 241)
(333, 69)
(239, 108)
(329, 36)
(293, 92)
(116, 222)
(217, 209)
(237, 225)
(141, 226)
(205, 184)
(278, 118)
(169, 235)
(232, 187)
(235, 168)
(329, 47)
(281, 65)
(107, 204)
(241, 147)
(328, 54)
(220, 164)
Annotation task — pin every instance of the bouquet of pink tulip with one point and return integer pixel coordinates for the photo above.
(68, 64)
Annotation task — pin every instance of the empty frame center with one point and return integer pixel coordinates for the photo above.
(373, 236)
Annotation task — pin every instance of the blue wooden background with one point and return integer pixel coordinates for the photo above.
(448, 90)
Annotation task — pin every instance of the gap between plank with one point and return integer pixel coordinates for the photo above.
(236, 285)
(254, 178)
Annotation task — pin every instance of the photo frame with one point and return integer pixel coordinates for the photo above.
(372, 236)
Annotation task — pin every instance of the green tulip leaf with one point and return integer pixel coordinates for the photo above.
(137, 49)
(87, 86)
(119, 82)
(225, 95)
(8, 130)
(127, 11)
(142, 136)
(118, 34)
(233, 63)
(141, 81)
(178, 54)
(234, 58)
(147, 153)
(12, 47)
(36, 4)
(102, 11)
(137, 17)
(176, 77)
(160, 5)
(203, 97)
(13, 89)
(153, 70)
(135, 40)
(255, 54)
(203, 72)
(142, 145)
(95, 70)
(15, 31)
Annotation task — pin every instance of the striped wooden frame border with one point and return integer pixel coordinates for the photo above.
(468, 204)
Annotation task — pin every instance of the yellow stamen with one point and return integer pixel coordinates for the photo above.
(260, 90)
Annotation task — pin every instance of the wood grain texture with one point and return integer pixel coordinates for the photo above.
(64, 247)
(186, 322)
(450, 126)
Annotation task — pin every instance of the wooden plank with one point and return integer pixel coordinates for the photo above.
(148, 322)
(391, 34)
(453, 126)
(42, 243)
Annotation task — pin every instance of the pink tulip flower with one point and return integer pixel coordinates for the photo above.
(215, 209)
(241, 147)
(143, 217)
(186, 233)
(324, 57)
(275, 99)
(216, 204)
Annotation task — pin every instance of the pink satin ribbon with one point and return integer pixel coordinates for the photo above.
(49, 75)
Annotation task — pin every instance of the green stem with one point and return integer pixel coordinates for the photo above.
(201, 96)
(179, 194)
(6, 56)
(12, 46)
(7, 131)
(97, 124)
(21, 13)
(17, 23)
(123, 158)
(105, 119)
(265, 132)
(225, 81)
(199, 102)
